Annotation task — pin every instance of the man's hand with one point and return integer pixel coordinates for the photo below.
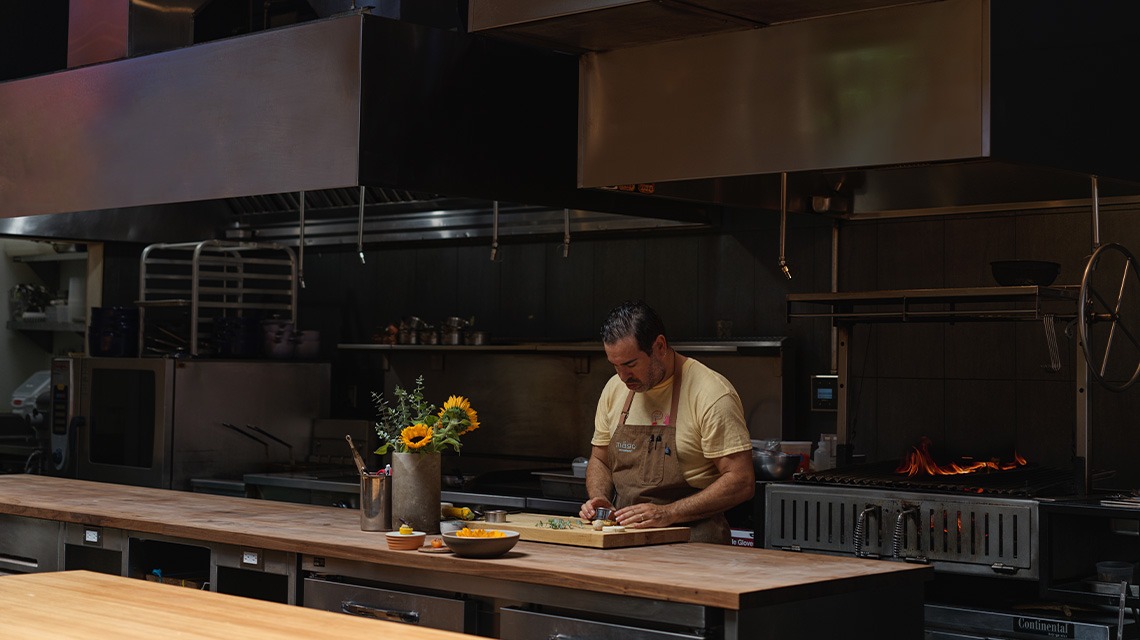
(590, 507)
(644, 516)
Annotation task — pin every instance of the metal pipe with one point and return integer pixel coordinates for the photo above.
(360, 228)
(834, 289)
(565, 233)
(494, 230)
(784, 222)
(301, 244)
(1095, 213)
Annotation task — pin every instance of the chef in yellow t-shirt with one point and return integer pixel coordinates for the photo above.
(670, 444)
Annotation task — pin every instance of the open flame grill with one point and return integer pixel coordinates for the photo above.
(1027, 481)
(970, 534)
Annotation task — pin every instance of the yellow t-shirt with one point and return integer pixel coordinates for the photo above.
(711, 422)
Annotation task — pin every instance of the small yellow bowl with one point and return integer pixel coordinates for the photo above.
(405, 541)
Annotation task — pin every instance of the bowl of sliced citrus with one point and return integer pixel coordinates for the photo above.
(480, 543)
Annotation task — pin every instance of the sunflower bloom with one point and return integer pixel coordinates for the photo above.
(463, 406)
(474, 418)
(416, 436)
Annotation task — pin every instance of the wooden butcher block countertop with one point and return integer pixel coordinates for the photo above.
(695, 573)
(80, 604)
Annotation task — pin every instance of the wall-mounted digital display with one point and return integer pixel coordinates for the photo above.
(824, 392)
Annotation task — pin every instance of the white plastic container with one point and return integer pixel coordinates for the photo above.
(59, 312)
(76, 300)
(579, 466)
(824, 457)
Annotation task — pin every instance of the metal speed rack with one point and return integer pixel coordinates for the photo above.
(186, 286)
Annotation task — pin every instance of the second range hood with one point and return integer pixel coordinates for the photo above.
(323, 107)
(928, 107)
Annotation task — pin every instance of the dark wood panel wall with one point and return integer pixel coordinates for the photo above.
(974, 389)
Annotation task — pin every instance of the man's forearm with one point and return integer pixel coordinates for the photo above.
(735, 484)
(720, 496)
(599, 479)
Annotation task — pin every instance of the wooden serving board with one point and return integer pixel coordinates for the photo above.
(581, 534)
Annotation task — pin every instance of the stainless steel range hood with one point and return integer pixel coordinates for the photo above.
(321, 107)
(931, 107)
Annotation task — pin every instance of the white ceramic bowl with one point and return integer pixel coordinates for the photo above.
(473, 547)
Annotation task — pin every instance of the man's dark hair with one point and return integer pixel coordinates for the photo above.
(633, 318)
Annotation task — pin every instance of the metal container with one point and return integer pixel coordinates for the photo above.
(375, 503)
(774, 465)
(495, 515)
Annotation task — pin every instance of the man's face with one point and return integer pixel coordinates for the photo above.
(639, 371)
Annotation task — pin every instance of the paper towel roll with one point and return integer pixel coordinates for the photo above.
(77, 299)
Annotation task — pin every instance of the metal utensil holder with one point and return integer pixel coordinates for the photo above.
(215, 278)
(375, 502)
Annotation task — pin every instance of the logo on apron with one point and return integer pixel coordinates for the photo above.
(626, 447)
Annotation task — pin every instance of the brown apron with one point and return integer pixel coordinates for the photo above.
(646, 469)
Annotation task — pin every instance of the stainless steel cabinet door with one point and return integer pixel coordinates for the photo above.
(450, 614)
(516, 624)
(28, 545)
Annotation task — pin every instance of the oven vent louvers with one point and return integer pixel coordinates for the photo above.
(961, 534)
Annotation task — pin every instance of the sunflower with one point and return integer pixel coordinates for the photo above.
(416, 436)
(463, 405)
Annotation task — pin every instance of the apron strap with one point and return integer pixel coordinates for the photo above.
(625, 408)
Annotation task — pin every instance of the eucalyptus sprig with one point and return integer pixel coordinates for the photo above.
(411, 409)
(413, 424)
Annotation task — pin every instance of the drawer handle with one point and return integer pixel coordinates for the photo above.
(31, 563)
(366, 611)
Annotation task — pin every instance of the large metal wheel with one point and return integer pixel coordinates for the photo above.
(1109, 318)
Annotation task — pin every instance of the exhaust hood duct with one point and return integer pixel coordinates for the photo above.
(602, 25)
(103, 30)
(324, 107)
(931, 107)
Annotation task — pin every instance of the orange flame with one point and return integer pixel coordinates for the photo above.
(919, 461)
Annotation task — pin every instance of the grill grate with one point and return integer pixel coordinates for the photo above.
(963, 534)
(1028, 481)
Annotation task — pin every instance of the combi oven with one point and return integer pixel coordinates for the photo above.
(158, 422)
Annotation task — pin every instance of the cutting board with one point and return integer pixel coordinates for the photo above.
(582, 535)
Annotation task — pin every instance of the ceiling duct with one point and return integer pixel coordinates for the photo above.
(602, 25)
(322, 106)
(872, 108)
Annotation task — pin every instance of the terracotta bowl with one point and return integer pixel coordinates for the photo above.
(470, 547)
(405, 541)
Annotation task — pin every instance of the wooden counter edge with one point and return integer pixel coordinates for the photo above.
(704, 595)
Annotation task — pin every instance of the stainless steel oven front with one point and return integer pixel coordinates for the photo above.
(124, 430)
(163, 422)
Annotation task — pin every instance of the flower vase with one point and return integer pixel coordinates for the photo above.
(415, 490)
